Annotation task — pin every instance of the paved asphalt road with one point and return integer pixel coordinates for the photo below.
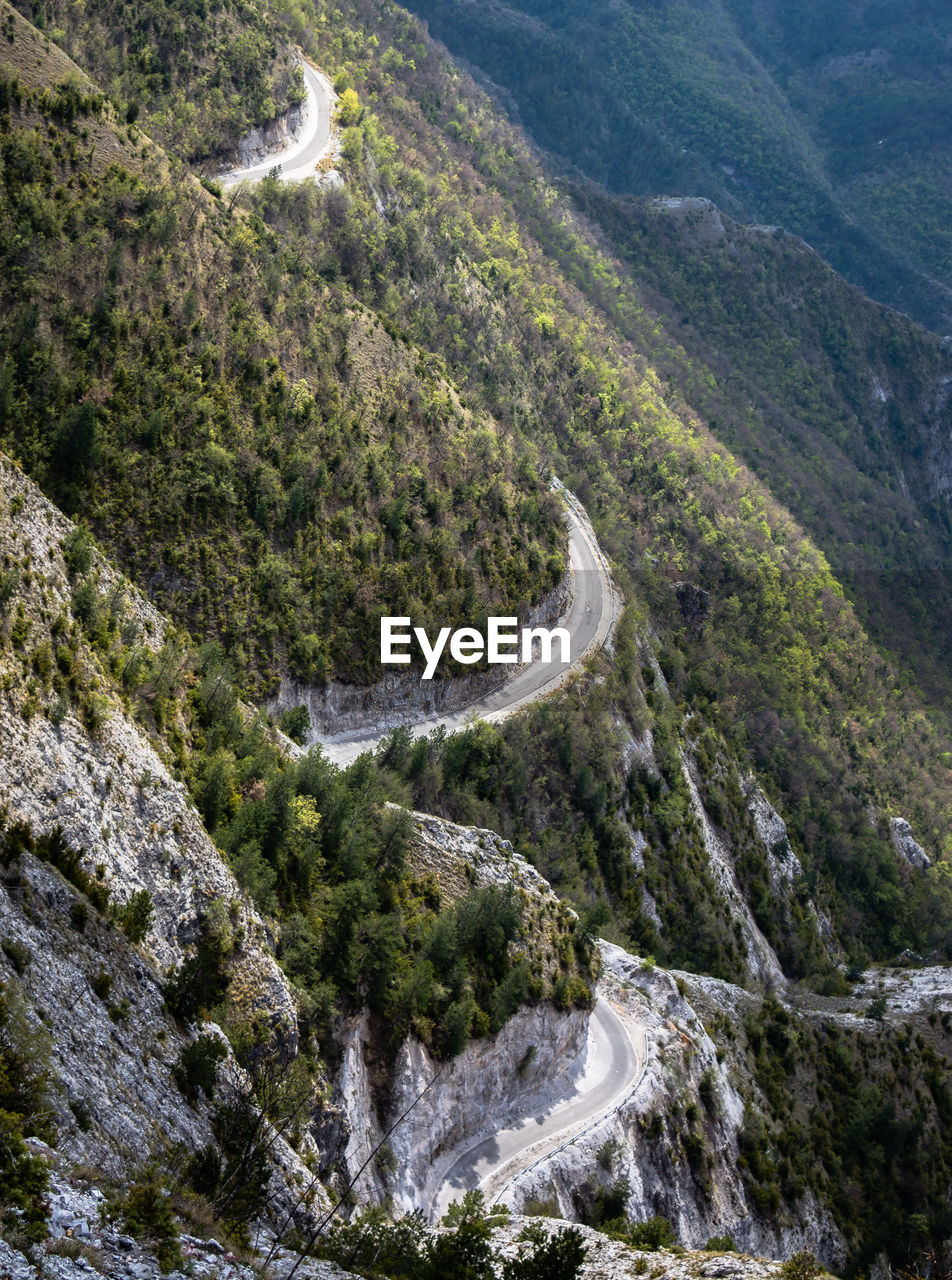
(299, 157)
(613, 1065)
(588, 623)
(614, 1068)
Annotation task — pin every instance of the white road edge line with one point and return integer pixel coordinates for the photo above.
(543, 1149)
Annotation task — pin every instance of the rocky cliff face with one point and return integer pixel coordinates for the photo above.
(90, 771)
(496, 1080)
(675, 1139)
(535, 1058)
(95, 998)
(108, 788)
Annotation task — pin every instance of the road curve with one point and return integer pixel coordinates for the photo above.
(613, 1071)
(299, 156)
(588, 621)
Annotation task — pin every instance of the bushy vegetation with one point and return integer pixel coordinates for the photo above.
(145, 1210)
(861, 1119)
(26, 1082)
(197, 78)
(17, 838)
(290, 412)
(313, 503)
(668, 499)
(371, 1246)
(553, 782)
(819, 391)
(320, 851)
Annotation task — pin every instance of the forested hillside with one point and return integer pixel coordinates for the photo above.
(839, 405)
(202, 76)
(288, 411)
(517, 319)
(832, 120)
(210, 399)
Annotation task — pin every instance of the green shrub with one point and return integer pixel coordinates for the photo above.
(296, 723)
(101, 983)
(78, 549)
(653, 1233)
(85, 605)
(720, 1244)
(607, 1154)
(558, 1258)
(801, 1266)
(572, 993)
(694, 1148)
(197, 1068)
(876, 1008)
(9, 582)
(707, 1089)
(25, 1084)
(16, 952)
(146, 1213)
(134, 917)
(198, 984)
(18, 838)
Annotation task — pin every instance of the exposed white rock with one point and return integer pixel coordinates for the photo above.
(111, 794)
(905, 844)
(701, 217)
(118, 806)
(114, 1069)
(487, 1085)
(356, 1101)
(783, 865)
(638, 846)
(701, 1202)
(463, 856)
(650, 908)
(908, 992)
(485, 1088)
(639, 753)
(99, 1246)
(762, 962)
(611, 1260)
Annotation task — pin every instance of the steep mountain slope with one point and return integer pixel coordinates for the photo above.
(201, 78)
(287, 413)
(123, 931)
(768, 665)
(540, 366)
(872, 84)
(211, 404)
(833, 122)
(840, 407)
(123, 928)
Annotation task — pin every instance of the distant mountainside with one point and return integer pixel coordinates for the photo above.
(830, 119)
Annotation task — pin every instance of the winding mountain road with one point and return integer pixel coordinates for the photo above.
(299, 156)
(588, 621)
(614, 1069)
